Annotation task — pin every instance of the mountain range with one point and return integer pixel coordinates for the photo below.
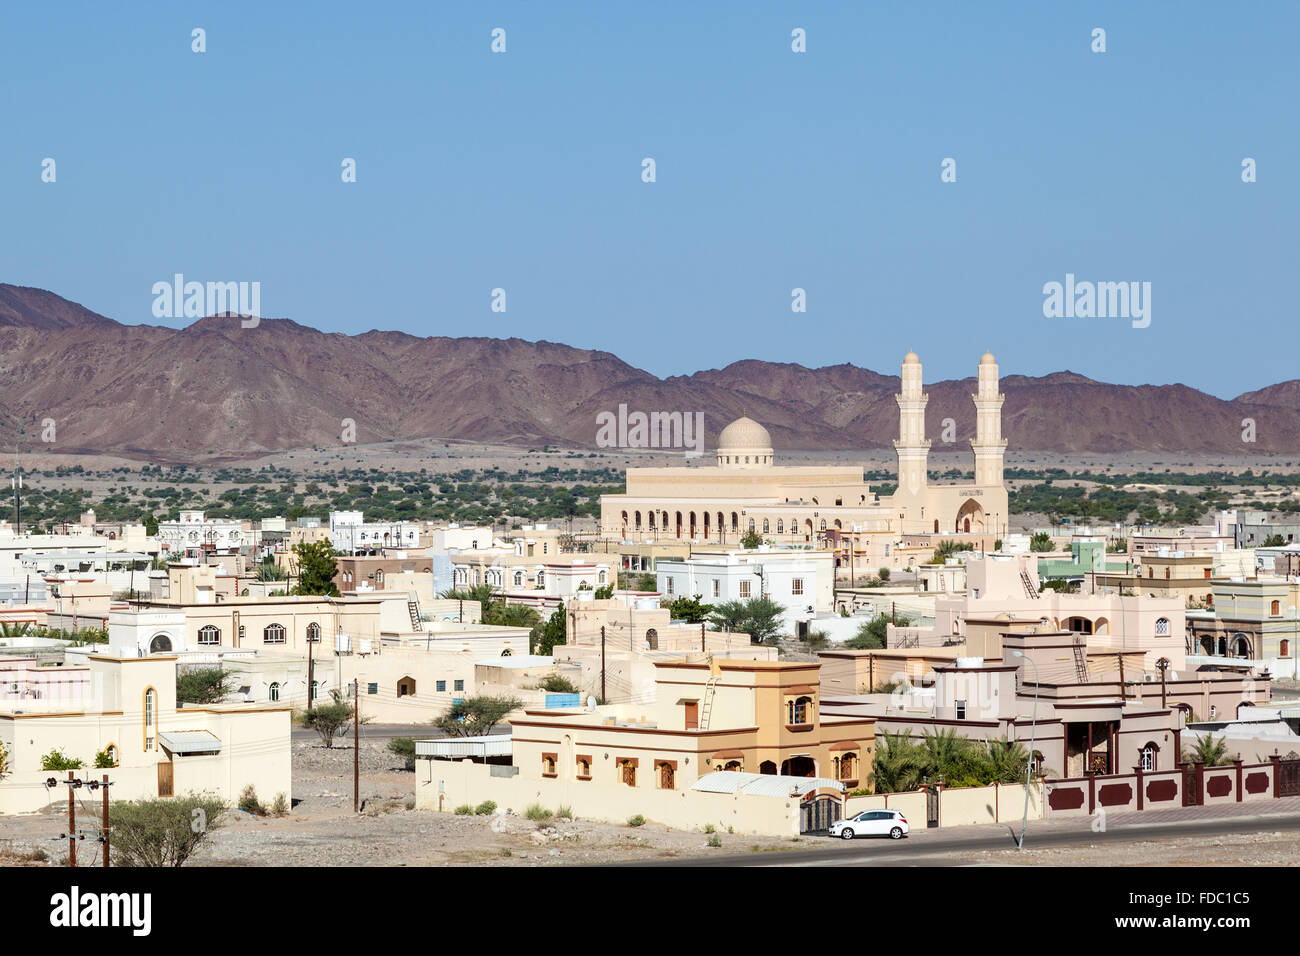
(218, 391)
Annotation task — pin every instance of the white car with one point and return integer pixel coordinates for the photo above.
(890, 823)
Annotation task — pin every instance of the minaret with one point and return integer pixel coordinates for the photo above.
(989, 445)
(912, 446)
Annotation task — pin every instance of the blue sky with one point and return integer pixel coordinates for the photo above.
(775, 170)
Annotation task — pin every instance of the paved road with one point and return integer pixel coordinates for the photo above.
(935, 847)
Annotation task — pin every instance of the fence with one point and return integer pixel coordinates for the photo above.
(1187, 785)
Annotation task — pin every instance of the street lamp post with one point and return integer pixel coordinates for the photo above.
(1029, 764)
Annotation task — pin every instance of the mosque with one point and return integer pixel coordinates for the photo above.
(746, 489)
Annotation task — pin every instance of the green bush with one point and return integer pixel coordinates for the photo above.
(464, 810)
(636, 821)
(486, 807)
(104, 760)
(404, 747)
(280, 805)
(163, 832)
(537, 813)
(715, 840)
(557, 684)
(565, 812)
(57, 760)
(709, 828)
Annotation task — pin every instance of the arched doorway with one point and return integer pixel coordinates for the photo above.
(970, 517)
(767, 767)
(801, 766)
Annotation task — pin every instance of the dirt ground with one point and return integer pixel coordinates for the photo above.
(322, 830)
(1232, 850)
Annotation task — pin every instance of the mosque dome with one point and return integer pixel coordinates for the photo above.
(744, 442)
(911, 359)
(988, 359)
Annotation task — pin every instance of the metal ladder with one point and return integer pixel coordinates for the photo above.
(413, 605)
(1030, 590)
(706, 708)
(1080, 661)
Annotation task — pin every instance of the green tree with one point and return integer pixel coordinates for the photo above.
(871, 634)
(763, 619)
(751, 539)
(164, 832)
(951, 757)
(202, 685)
(316, 568)
(1042, 541)
(329, 720)
(1274, 541)
(57, 760)
(1007, 760)
(552, 632)
(475, 716)
(689, 609)
(884, 574)
(898, 763)
(557, 684)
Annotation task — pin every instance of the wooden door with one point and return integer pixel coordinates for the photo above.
(692, 715)
(165, 779)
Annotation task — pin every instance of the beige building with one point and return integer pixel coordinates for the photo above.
(158, 749)
(827, 505)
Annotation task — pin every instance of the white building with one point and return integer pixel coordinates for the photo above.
(195, 533)
(801, 581)
(350, 533)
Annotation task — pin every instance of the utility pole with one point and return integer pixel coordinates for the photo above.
(73, 783)
(356, 745)
(105, 823)
(602, 663)
(703, 647)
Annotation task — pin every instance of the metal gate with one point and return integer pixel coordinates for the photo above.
(1288, 775)
(1191, 787)
(932, 807)
(818, 813)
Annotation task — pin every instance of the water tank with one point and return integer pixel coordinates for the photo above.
(969, 662)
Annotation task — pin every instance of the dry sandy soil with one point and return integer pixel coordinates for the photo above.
(323, 831)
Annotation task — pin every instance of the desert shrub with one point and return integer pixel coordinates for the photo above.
(280, 805)
(537, 812)
(486, 807)
(715, 840)
(162, 832)
(464, 810)
(249, 803)
(636, 821)
(565, 812)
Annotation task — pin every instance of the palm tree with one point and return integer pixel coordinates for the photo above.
(1207, 750)
(898, 763)
(950, 756)
(1006, 760)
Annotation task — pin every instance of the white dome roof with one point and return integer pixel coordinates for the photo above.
(745, 433)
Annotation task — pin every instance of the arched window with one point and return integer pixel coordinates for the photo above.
(1149, 757)
(765, 526)
(751, 524)
(1284, 649)
(667, 775)
(780, 526)
(274, 693)
(541, 579)
(519, 579)
(150, 718)
(602, 577)
(313, 632)
(273, 634)
(111, 752)
(209, 635)
(823, 524)
(799, 710)
(1162, 626)
(1275, 608)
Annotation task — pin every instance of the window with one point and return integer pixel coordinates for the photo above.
(846, 767)
(780, 526)
(669, 583)
(765, 526)
(548, 765)
(519, 579)
(315, 689)
(1284, 649)
(799, 711)
(796, 586)
(372, 688)
(442, 687)
(1149, 757)
(717, 585)
(666, 774)
(111, 751)
(1275, 608)
(150, 717)
(273, 634)
(1214, 712)
(313, 632)
(744, 589)
(274, 692)
(1162, 626)
(961, 710)
(584, 766)
(209, 635)
(458, 685)
(627, 770)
